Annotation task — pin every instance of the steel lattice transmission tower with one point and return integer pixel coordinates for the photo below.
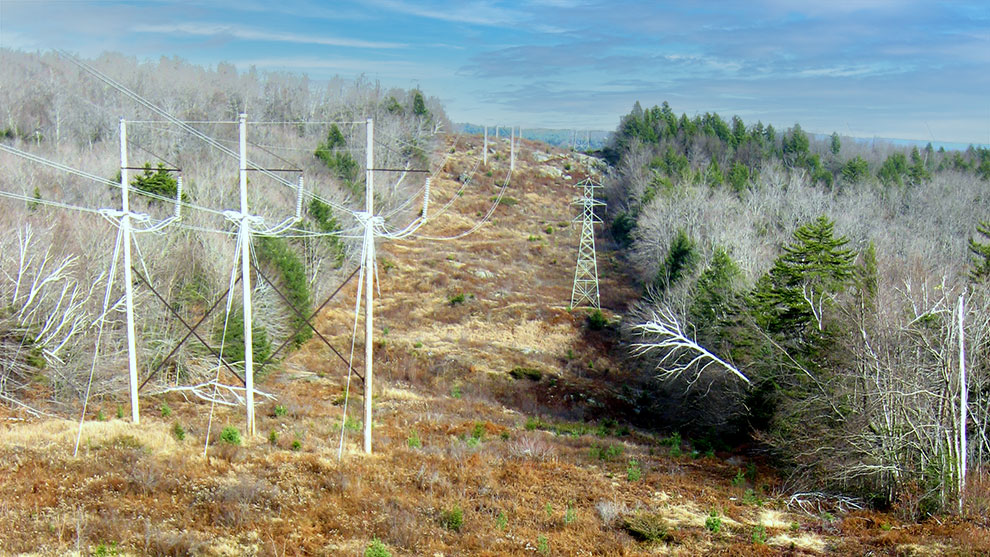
(585, 289)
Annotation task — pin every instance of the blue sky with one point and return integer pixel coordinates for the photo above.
(870, 68)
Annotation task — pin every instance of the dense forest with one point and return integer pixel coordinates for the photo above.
(56, 253)
(806, 294)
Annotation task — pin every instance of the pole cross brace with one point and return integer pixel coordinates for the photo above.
(307, 321)
(191, 328)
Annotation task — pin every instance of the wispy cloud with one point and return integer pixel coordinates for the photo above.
(475, 13)
(400, 69)
(249, 34)
(862, 70)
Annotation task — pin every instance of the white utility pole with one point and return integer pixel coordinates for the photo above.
(512, 148)
(426, 197)
(369, 277)
(963, 402)
(246, 279)
(125, 232)
(496, 136)
(484, 156)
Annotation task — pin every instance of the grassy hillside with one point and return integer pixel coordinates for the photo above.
(504, 425)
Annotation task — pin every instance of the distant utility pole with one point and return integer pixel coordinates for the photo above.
(512, 148)
(585, 289)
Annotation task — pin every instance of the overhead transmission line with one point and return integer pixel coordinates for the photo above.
(100, 180)
(196, 133)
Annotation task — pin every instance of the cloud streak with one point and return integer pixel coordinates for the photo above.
(248, 34)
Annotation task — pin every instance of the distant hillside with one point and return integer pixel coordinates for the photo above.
(582, 140)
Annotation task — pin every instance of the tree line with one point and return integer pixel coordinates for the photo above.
(828, 273)
(59, 112)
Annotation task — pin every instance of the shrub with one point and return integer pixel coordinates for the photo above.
(273, 437)
(452, 519)
(501, 521)
(606, 453)
(279, 411)
(647, 527)
(527, 372)
(456, 299)
(760, 534)
(350, 424)
(543, 545)
(230, 435)
(178, 431)
(596, 320)
(106, 550)
(478, 432)
(751, 498)
(165, 410)
(633, 472)
(414, 441)
(714, 522)
(570, 515)
(674, 442)
(376, 549)
(296, 445)
(739, 480)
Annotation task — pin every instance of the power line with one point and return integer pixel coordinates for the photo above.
(188, 128)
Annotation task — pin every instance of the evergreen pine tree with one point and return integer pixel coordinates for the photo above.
(835, 145)
(680, 261)
(815, 264)
(981, 253)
